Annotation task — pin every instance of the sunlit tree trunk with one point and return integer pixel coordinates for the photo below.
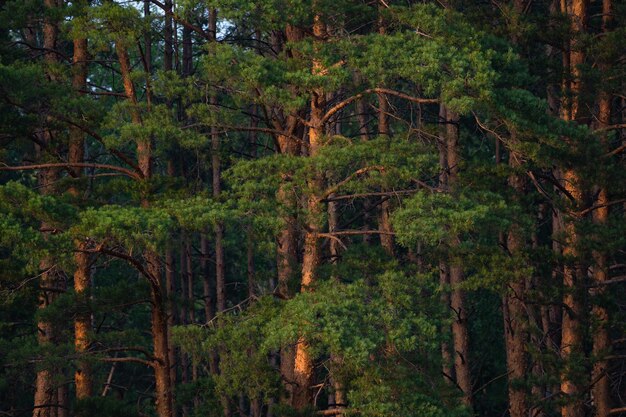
(601, 388)
(159, 327)
(287, 241)
(303, 369)
(47, 400)
(572, 385)
(82, 276)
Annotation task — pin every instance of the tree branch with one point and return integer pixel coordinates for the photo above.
(366, 195)
(125, 171)
(337, 107)
(358, 172)
(129, 359)
(183, 22)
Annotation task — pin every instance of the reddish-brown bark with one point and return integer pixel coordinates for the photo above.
(159, 324)
(572, 385)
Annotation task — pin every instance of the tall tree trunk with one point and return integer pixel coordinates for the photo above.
(170, 281)
(170, 309)
(444, 270)
(47, 402)
(147, 38)
(159, 327)
(220, 271)
(303, 369)
(287, 241)
(168, 33)
(601, 339)
(460, 336)
(82, 276)
(386, 239)
(601, 388)
(572, 385)
(183, 318)
(208, 290)
(339, 399)
(191, 310)
(514, 312)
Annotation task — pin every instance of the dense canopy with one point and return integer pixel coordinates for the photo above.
(312, 208)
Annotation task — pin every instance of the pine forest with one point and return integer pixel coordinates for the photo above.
(308, 208)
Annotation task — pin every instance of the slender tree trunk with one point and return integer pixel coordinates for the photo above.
(147, 38)
(207, 287)
(191, 299)
(170, 288)
(183, 318)
(446, 357)
(208, 294)
(303, 369)
(82, 276)
(287, 242)
(170, 281)
(361, 111)
(515, 318)
(161, 364)
(47, 401)
(514, 310)
(220, 274)
(386, 239)
(601, 388)
(220, 271)
(572, 385)
(460, 336)
(168, 34)
(444, 270)
(339, 399)
(601, 340)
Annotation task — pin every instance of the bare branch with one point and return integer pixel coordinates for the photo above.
(366, 195)
(337, 107)
(129, 359)
(125, 171)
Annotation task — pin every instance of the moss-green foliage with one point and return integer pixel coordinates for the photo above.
(380, 321)
(373, 322)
